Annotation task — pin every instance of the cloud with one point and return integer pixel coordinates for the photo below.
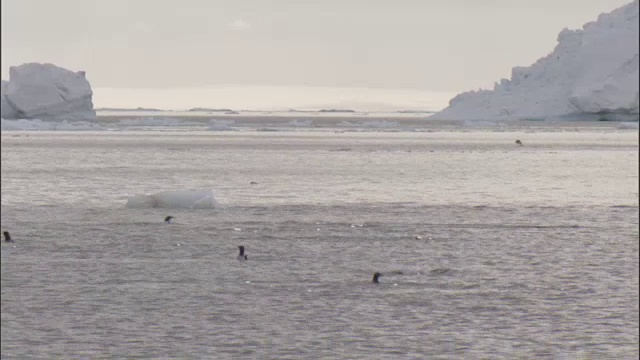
(239, 25)
(143, 27)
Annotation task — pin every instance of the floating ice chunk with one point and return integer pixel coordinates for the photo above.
(180, 199)
(300, 123)
(629, 125)
(479, 123)
(156, 121)
(381, 124)
(347, 124)
(25, 124)
(37, 124)
(372, 124)
(221, 125)
(77, 126)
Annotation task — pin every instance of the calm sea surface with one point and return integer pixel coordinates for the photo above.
(488, 249)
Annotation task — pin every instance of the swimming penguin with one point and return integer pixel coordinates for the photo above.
(7, 237)
(242, 256)
(519, 142)
(168, 219)
(375, 278)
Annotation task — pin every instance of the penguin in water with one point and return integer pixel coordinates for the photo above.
(168, 220)
(242, 256)
(375, 278)
(519, 142)
(7, 237)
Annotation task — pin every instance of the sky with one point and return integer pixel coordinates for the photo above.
(397, 46)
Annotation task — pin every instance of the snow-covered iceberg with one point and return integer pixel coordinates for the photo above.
(180, 199)
(46, 92)
(591, 74)
(8, 112)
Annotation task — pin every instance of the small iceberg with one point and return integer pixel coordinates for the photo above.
(179, 199)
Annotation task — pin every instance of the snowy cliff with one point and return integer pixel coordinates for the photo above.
(47, 92)
(592, 74)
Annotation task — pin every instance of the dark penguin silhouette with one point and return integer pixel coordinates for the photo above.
(519, 142)
(7, 237)
(168, 219)
(375, 278)
(242, 256)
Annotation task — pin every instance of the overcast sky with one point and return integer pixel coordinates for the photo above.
(435, 45)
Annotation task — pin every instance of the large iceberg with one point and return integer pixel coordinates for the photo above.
(46, 92)
(591, 74)
(8, 112)
(179, 199)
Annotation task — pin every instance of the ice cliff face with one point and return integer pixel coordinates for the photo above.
(47, 92)
(8, 112)
(592, 74)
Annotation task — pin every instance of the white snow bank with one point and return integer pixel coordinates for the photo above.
(37, 124)
(180, 199)
(47, 92)
(591, 74)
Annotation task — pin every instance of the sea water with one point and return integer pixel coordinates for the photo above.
(488, 249)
